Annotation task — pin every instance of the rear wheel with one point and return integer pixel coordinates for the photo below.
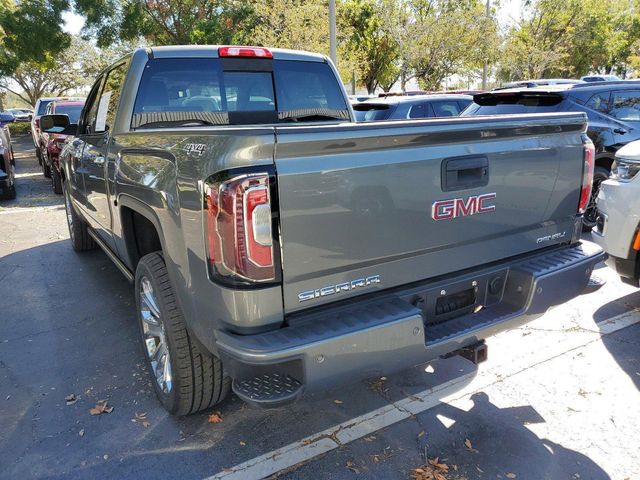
(78, 230)
(56, 181)
(186, 378)
(46, 169)
(600, 174)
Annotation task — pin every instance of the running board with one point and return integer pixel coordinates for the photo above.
(114, 258)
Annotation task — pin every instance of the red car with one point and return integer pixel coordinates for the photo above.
(53, 142)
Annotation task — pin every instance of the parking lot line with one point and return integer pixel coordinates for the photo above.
(363, 425)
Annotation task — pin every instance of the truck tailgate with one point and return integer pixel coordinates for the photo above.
(401, 202)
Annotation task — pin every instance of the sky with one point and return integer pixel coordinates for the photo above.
(508, 11)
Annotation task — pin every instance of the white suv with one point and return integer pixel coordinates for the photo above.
(617, 227)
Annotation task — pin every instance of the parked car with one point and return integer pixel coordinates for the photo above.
(52, 142)
(600, 78)
(613, 110)
(21, 114)
(458, 228)
(7, 160)
(36, 134)
(353, 99)
(540, 82)
(412, 107)
(617, 228)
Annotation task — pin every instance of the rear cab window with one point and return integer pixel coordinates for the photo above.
(229, 91)
(370, 112)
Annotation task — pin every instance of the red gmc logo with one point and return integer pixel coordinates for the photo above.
(460, 207)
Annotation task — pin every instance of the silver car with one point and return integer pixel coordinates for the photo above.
(618, 218)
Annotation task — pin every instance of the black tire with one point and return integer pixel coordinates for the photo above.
(56, 181)
(600, 174)
(46, 169)
(197, 378)
(78, 229)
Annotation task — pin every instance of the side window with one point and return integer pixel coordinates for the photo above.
(626, 105)
(418, 111)
(599, 102)
(446, 108)
(110, 98)
(89, 114)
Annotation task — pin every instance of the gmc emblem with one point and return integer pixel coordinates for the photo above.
(459, 207)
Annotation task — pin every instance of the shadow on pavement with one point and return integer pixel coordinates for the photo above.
(501, 446)
(623, 345)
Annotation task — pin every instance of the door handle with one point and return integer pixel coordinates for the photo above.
(99, 160)
(461, 173)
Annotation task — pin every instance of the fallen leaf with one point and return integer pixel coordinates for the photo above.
(440, 466)
(510, 475)
(375, 457)
(81, 432)
(242, 444)
(71, 399)
(350, 466)
(467, 443)
(370, 438)
(100, 408)
(215, 418)
(421, 434)
(106, 457)
(338, 402)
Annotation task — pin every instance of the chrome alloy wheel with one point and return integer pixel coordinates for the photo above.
(154, 336)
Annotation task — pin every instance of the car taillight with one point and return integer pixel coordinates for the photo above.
(587, 176)
(257, 52)
(239, 228)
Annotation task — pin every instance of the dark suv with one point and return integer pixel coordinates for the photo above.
(613, 110)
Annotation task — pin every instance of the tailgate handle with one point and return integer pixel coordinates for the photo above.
(460, 173)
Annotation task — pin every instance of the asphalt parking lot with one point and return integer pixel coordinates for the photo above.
(557, 399)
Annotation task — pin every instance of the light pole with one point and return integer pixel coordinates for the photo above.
(332, 31)
(484, 67)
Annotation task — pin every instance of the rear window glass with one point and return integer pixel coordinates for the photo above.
(73, 111)
(199, 91)
(370, 113)
(43, 106)
(510, 104)
(446, 108)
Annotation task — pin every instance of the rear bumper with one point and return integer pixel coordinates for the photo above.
(393, 331)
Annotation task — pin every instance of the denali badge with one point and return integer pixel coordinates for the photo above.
(340, 287)
(459, 207)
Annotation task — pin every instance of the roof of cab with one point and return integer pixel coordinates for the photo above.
(211, 51)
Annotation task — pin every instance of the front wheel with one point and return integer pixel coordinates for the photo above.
(78, 229)
(186, 378)
(600, 174)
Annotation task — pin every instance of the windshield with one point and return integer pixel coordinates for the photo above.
(518, 102)
(371, 112)
(73, 111)
(43, 106)
(212, 92)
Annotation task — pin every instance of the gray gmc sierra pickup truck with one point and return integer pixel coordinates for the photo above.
(276, 246)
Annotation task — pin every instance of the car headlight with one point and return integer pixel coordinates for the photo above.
(624, 170)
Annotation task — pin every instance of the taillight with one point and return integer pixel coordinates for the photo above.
(257, 52)
(239, 228)
(587, 176)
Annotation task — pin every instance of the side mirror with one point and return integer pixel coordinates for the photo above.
(57, 124)
(6, 117)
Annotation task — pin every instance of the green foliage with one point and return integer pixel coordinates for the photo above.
(166, 22)
(374, 50)
(20, 128)
(570, 38)
(30, 32)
